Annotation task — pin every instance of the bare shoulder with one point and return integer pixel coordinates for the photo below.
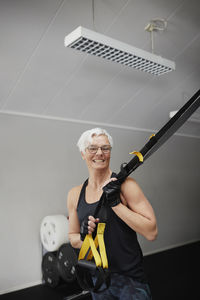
(73, 196)
(75, 190)
(132, 191)
(129, 182)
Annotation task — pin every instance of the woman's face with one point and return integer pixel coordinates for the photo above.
(100, 159)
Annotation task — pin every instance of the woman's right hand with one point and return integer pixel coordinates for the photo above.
(88, 226)
(92, 223)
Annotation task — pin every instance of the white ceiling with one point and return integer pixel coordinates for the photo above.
(40, 77)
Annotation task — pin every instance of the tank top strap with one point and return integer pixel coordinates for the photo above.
(82, 193)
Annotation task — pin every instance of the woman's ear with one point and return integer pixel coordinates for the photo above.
(83, 155)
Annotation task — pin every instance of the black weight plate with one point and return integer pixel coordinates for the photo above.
(67, 261)
(51, 280)
(50, 270)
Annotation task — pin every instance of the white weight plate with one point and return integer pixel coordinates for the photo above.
(54, 232)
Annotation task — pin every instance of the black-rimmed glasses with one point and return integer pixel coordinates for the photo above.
(105, 149)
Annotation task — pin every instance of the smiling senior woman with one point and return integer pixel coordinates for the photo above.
(129, 213)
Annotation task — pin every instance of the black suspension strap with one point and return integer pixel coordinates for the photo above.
(158, 139)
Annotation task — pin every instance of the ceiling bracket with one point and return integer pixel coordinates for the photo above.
(155, 25)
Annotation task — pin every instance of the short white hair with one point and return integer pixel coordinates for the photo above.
(86, 138)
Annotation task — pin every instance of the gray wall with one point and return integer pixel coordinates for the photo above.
(39, 163)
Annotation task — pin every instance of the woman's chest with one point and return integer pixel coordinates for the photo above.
(92, 195)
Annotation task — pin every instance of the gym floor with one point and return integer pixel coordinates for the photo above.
(173, 275)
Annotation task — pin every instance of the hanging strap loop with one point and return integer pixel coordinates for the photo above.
(89, 251)
(139, 155)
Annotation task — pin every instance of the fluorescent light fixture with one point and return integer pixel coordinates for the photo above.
(195, 118)
(103, 46)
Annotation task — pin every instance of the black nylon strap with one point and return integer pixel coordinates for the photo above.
(163, 135)
(85, 279)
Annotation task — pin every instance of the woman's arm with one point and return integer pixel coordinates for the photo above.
(136, 211)
(74, 226)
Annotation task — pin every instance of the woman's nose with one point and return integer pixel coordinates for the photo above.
(99, 149)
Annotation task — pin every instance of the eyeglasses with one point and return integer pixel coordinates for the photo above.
(105, 149)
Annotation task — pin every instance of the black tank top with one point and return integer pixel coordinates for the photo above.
(122, 247)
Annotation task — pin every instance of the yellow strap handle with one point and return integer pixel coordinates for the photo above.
(151, 136)
(91, 244)
(90, 254)
(102, 248)
(139, 155)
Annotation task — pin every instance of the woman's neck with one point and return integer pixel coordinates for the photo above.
(98, 177)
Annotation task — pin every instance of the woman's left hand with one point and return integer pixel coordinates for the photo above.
(112, 189)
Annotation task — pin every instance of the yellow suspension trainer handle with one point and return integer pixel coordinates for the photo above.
(100, 257)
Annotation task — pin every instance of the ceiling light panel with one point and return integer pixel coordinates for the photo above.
(97, 44)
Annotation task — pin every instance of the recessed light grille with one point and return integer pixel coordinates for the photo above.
(99, 45)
